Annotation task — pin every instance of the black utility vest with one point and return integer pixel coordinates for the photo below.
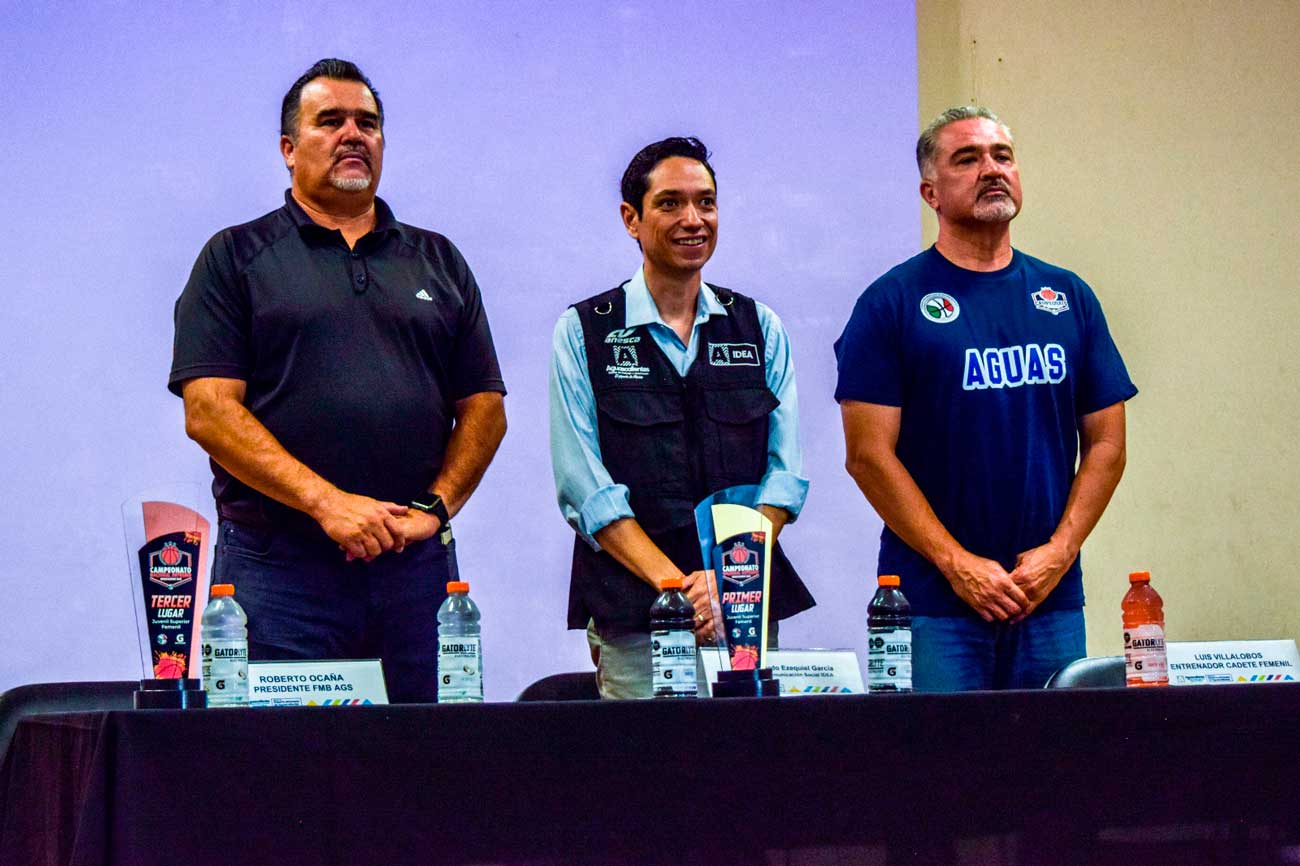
(673, 440)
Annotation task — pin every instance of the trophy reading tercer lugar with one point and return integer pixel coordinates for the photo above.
(170, 575)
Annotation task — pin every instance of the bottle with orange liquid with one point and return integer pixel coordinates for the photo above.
(1144, 633)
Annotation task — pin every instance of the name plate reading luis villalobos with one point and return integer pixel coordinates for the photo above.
(1193, 663)
(329, 683)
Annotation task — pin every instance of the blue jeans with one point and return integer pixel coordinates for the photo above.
(305, 601)
(962, 653)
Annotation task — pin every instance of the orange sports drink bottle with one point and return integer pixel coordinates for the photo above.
(1144, 633)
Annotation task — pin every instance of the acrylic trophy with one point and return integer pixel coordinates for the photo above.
(167, 547)
(736, 543)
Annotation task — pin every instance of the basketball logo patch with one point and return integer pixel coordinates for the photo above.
(940, 308)
(1050, 300)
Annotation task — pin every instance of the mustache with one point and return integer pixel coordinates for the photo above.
(995, 184)
(350, 152)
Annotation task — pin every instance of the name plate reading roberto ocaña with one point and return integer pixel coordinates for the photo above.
(329, 683)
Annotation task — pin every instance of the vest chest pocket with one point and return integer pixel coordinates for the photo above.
(642, 438)
(736, 436)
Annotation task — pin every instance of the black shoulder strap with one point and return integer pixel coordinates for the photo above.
(601, 314)
(725, 296)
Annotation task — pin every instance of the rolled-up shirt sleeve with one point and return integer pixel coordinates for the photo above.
(588, 496)
(783, 484)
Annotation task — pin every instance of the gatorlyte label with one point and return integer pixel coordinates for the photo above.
(889, 660)
(460, 676)
(672, 662)
(225, 672)
(1144, 655)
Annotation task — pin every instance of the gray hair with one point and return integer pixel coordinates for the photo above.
(925, 145)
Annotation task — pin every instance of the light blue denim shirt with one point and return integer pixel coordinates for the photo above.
(588, 497)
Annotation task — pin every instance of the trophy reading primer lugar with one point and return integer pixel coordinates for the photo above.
(736, 543)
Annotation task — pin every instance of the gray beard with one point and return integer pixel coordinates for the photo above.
(350, 184)
(1000, 211)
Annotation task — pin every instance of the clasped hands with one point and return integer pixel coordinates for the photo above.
(996, 594)
(364, 528)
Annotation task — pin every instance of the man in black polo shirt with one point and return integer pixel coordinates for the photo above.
(338, 367)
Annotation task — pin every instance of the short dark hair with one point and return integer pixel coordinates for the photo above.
(330, 67)
(636, 179)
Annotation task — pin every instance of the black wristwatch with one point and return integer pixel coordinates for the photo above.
(431, 503)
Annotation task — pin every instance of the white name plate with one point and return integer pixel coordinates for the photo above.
(1232, 661)
(329, 683)
(801, 671)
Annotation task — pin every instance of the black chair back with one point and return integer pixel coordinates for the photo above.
(563, 687)
(1093, 672)
(38, 698)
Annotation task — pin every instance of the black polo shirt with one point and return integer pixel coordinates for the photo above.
(354, 359)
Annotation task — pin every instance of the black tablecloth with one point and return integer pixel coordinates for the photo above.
(702, 781)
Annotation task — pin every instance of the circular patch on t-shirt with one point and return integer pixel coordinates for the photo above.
(940, 308)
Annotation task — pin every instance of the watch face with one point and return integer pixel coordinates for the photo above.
(432, 504)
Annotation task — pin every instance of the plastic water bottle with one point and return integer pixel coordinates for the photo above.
(460, 650)
(889, 638)
(1144, 633)
(224, 637)
(672, 643)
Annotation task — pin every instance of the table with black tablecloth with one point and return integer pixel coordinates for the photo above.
(705, 781)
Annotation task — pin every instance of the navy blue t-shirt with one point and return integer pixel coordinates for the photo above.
(992, 371)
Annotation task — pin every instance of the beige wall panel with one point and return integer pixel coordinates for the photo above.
(1158, 150)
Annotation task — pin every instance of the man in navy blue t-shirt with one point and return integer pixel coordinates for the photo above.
(971, 377)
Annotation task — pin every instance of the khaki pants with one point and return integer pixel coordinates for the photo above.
(623, 662)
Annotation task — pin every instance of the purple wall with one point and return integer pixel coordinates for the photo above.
(135, 134)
